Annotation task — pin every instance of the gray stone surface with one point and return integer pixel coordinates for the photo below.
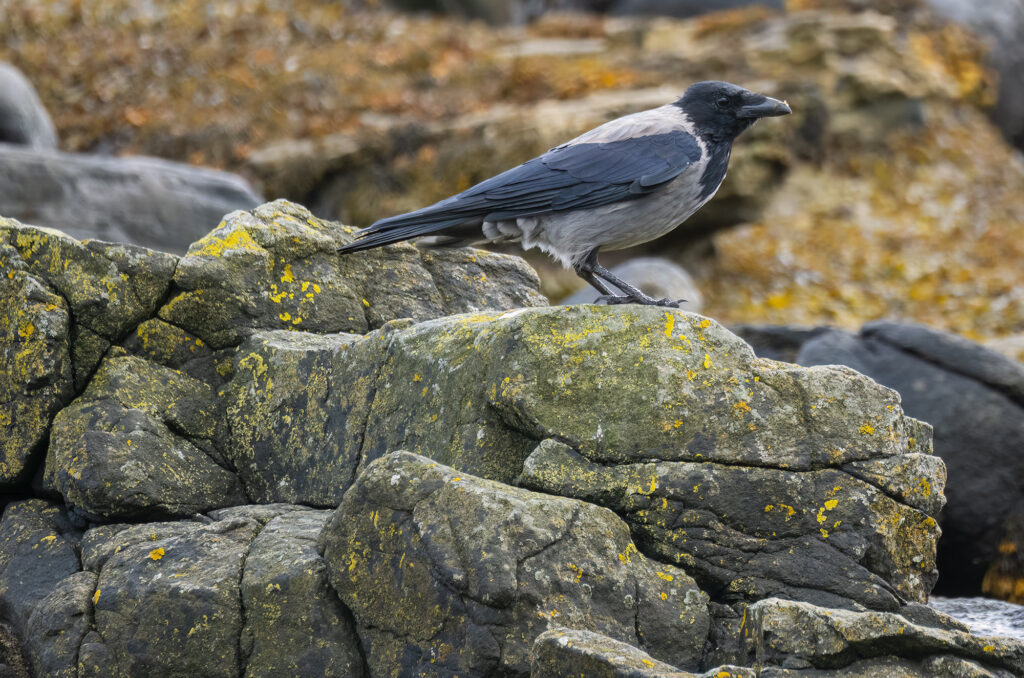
(447, 573)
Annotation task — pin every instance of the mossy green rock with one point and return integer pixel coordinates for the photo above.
(141, 441)
(109, 288)
(277, 267)
(447, 573)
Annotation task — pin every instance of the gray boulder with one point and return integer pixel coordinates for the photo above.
(974, 397)
(23, 119)
(144, 201)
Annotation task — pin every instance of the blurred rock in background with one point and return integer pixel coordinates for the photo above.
(23, 120)
(145, 201)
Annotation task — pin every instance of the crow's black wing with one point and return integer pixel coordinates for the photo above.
(569, 177)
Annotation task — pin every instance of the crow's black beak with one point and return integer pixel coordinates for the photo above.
(769, 108)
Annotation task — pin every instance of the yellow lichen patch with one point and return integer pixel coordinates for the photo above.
(831, 504)
(707, 361)
(741, 407)
(286, 316)
(664, 596)
(670, 323)
(96, 597)
(366, 303)
(704, 324)
(287, 275)
(577, 570)
(213, 245)
(867, 429)
(156, 554)
(666, 577)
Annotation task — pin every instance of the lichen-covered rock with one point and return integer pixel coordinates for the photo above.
(750, 533)
(569, 653)
(807, 636)
(653, 403)
(300, 444)
(170, 605)
(36, 377)
(58, 625)
(276, 267)
(38, 585)
(449, 573)
(294, 623)
(974, 397)
(109, 288)
(141, 442)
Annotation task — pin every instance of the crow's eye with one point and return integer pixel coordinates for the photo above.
(722, 102)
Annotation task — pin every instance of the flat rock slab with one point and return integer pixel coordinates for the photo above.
(449, 573)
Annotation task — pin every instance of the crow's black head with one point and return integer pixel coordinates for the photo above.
(721, 110)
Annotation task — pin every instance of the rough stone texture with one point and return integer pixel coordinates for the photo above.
(38, 584)
(485, 568)
(141, 441)
(109, 288)
(750, 533)
(170, 605)
(807, 636)
(276, 267)
(974, 397)
(805, 472)
(568, 653)
(145, 201)
(23, 119)
(294, 623)
(35, 367)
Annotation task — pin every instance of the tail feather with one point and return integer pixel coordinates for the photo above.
(397, 229)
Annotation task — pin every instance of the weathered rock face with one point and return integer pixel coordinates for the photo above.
(544, 561)
(634, 473)
(145, 340)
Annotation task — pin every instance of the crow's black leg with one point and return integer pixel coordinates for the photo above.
(585, 270)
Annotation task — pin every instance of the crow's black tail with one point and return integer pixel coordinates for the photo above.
(399, 228)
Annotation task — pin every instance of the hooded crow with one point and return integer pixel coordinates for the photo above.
(624, 183)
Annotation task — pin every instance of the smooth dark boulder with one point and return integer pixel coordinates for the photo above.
(150, 202)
